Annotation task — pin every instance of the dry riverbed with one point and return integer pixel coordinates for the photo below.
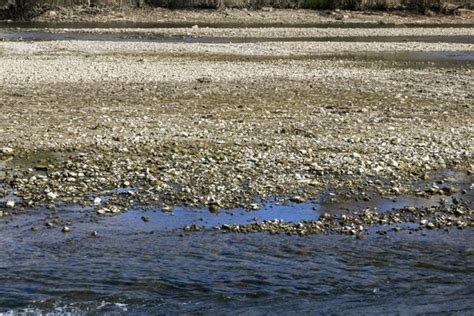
(115, 125)
(279, 33)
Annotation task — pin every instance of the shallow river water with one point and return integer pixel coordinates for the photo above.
(162, 272)
(154, 267)
(77, 35)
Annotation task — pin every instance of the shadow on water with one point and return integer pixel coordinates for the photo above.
(54, 35)
(457, 57)
(444, 56)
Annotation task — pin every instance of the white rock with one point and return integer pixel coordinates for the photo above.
(102, 211)
(10, 204)
(378, 169)
(97, 201)
(394, 163)
(51, 195)
(6, 150)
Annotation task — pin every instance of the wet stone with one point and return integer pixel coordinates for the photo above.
(191, 228)
(167, 209)
(214, 208)
(10, 204)
(298, 199)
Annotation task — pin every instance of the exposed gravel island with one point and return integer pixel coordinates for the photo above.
(230, 125)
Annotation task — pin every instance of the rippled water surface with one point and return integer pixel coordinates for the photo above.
(213, 272)
(154, 267)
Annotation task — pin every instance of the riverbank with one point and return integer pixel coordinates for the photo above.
(243, 17)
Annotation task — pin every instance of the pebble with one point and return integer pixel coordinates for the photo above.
(6, 150)
(254, 206)
(191, 228)
(166, 209)
(51, 195)
(214, 208)
(395, 141)
(10, 204)
(298, 199)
